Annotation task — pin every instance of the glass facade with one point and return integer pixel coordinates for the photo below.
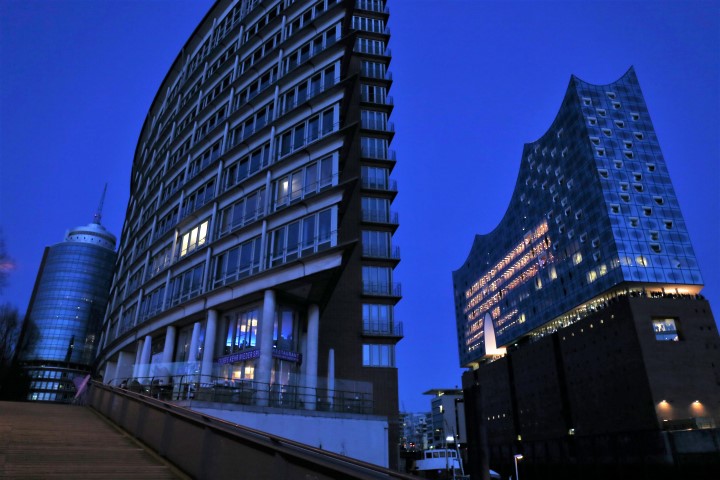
(593, 209)
(66, 312)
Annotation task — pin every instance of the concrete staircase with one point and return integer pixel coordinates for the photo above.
(51, 441)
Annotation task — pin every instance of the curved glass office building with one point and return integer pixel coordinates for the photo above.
(257, 248)
(66, 312)
(593, 213)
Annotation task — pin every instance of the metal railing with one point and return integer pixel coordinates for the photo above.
(205, 388)
(389, 289)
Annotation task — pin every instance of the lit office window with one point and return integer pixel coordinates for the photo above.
(194, 238)
(665, 330)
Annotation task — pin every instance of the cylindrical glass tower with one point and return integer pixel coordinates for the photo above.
(66, 310)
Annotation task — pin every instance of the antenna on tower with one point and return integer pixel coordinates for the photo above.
(98, 214)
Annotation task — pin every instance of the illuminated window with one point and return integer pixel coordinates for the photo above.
(642, 261)
(665, 330)
(602, 270)
(591, 276)
(577, 258)
(194, 239)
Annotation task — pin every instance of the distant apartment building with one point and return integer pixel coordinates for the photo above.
(62, 324)
(257, 253)
(447, 415)
(580, 316)
(416, 428)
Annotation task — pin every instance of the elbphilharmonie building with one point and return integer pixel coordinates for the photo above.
(589, 348)
(593, 213)
(256, 259)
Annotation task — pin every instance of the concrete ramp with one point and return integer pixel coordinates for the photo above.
(49, 441)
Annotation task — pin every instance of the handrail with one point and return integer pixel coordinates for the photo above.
(326, 464)
(197, 387)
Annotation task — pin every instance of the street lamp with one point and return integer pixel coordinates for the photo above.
(517, 457)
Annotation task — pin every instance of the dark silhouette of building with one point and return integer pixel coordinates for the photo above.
(588, 344)
(257, 249)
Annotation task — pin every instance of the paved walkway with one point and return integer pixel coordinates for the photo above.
(50, 441)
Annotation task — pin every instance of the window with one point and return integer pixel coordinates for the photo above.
(367, 45)
(373, 93)
(152, 303)
(374, 147)
(308, 88)
(374, 177)
(193, 239)
(187, 285)
(665, 330)
(306, 132)
(303, 182)
(242, 330)
(303, 237)
(198, 198)
(375, 209)
(577, 258)
(377, 280)
(238, 262)
(242, 212)
(373, 69)
(368, 24)
(160, 260)
(373, 120)
(377, 318)
(378, 355)
(376, 244)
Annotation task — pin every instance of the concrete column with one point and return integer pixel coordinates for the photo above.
(209, 347)
(109, 375)
(138, 354)
(194, 344)
(168, 351)
(311, 359)
(264, 365)
(144, 369)
(331, 378)
(122, 369)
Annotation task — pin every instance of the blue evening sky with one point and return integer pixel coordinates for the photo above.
(474, 80)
